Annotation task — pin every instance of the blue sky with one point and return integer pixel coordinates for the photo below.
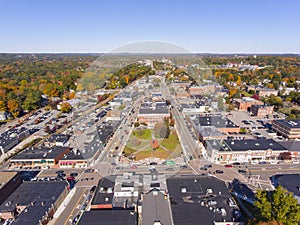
(217, 26)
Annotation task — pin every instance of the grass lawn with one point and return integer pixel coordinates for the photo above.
(142, 155)
(140, 140)
(143, 134)
(287, 110)
(137, 144)
(171, 142)
(129, 151)
(161, 153)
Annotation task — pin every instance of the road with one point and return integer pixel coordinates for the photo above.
(73, 208)
(191, 148)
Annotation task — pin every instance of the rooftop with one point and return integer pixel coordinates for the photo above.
(59, 138)
(155, 207)
(41, 153)
(246, 145)
(6, 177)
(108, 217)
(154, 111)
(216, 121)
(11, 137)
(37, 196)
(198, 198)
(293, 146)
(104, 192)
(288, 123)
(291, 182)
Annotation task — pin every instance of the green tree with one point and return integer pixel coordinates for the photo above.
(220, 103)
(65, 107)
(33, 100)
(279, 206)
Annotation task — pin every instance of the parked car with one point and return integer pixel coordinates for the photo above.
(242, 171)
(228, 166)
(219, 171)
(74, 174)
(93, 189)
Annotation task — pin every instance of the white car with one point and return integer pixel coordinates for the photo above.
(295, 161)
(254, 162)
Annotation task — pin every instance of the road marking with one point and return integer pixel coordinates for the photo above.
(75, 207)
(275, 170)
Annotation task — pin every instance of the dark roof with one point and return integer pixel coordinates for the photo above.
(108, 217)
(73, 155)
(41, 193)
(155, 207)
(154, 111)
(12, 137)
(216, 121)
(59, 138)
(291, 182)
(292, 146)
(188, 106)
(104, 190)
(41, 153)
(161, 105)
(288, 123)
(246, 145)
(260, 106)
(255, 144)
(198, 198)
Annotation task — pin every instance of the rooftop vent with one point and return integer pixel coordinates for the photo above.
(209, 191)
(212, 203)
(183, 190)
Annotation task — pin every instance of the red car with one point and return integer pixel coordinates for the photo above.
(228, 166)
(133, 167)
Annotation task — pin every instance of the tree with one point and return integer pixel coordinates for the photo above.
(279, 206)
(255, 222)
(221, 103)
(33, 100)
(285, 156)
(2, 105)
(65, 107)
(13, 107)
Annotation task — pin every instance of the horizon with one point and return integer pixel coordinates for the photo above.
(145, 53)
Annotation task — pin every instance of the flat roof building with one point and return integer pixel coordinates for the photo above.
(104, 194)
(291, 182)
(287, 128)
(34, 202)
(201, 200)
(11, 138)
(32, 157)
(228, 151)
(108, 217)
(9, 181)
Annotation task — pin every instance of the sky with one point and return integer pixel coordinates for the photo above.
(204, 26)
